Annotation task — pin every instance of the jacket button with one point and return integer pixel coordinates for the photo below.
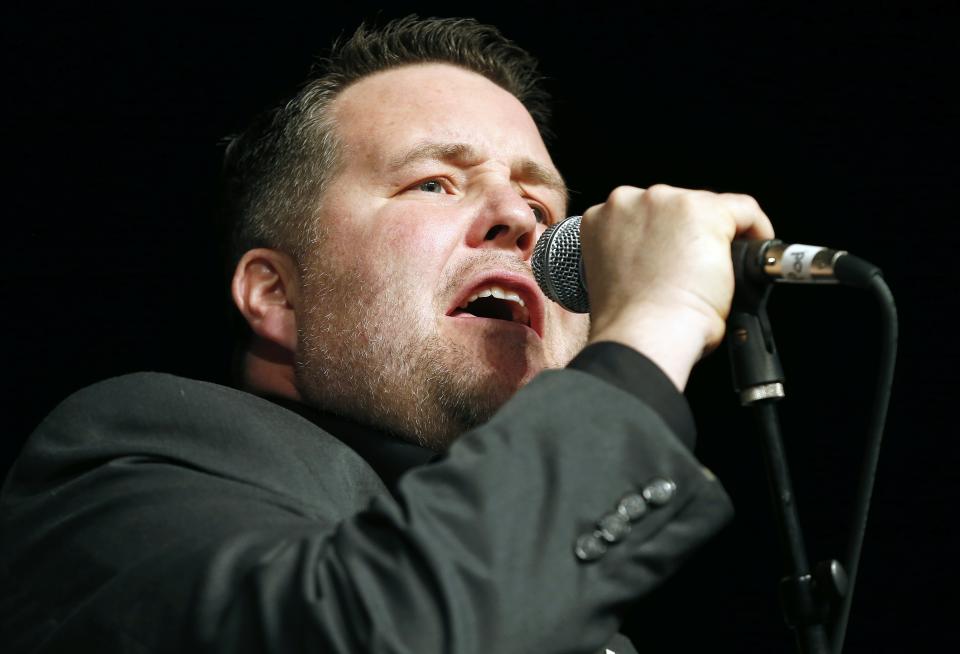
(659, 491)
(632, 506)
(590, 547)
(613, 527)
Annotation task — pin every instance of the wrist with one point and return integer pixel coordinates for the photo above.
(673, 339)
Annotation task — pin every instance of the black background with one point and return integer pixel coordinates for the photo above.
(840, 121)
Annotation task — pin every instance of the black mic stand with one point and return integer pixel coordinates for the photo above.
(807, 598)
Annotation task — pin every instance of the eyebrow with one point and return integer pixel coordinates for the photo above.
(466, 154)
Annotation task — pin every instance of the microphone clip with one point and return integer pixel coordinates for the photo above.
(754, 361)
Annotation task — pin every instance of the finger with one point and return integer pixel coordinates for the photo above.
(621, 196)
(751, 221)
(589, 214)
(624, 198)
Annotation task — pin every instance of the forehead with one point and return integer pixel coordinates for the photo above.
(383, 115)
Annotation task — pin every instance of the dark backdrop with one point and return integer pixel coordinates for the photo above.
(839, 121)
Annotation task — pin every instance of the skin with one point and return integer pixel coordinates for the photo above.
(659, 271)
(445, 181)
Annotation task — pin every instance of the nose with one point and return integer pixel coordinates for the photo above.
(506, 222)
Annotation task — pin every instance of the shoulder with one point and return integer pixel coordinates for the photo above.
(191, 425)
(146, 391)
(166, 406)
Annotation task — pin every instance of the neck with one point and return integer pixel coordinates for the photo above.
(268, 370)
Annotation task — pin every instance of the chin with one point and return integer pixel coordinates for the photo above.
(511, 367)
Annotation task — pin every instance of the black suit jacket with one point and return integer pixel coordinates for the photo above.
(151, 513)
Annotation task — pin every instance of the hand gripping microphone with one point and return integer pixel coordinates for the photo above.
(558, 266)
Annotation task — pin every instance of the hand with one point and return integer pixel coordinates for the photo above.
(659, 270)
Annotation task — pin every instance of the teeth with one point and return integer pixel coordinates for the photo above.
(494, 291)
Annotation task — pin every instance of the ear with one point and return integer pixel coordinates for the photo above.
(265, 289)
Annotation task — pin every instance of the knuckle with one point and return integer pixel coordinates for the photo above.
(621, 194)
(688, 202)
(658, 193)
(591, 214)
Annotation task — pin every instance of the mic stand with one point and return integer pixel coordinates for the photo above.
(806, 598)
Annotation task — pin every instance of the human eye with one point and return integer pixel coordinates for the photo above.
(441, 185)
(430, 186)
(540, 213)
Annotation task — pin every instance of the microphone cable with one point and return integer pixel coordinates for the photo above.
(878, 417)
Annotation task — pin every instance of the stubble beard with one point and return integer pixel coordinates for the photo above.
(383, 367)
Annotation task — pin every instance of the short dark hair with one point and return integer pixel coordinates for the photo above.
(275, 172)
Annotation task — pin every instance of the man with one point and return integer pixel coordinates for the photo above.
(415, 479)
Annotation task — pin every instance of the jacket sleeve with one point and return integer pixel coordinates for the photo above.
(528, 536)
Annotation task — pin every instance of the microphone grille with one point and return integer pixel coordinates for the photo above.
(557, 266)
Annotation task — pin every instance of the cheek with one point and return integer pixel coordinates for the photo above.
(414, 250)
(576, 324)
(571, 333)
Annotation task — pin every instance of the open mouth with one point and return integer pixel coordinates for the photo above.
(502, 296)
(496, 303)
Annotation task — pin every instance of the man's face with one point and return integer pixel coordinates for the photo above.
(444, 188)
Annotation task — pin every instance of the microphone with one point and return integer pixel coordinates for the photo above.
(558, 266)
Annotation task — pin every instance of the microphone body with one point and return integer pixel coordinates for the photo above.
(558, 265)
